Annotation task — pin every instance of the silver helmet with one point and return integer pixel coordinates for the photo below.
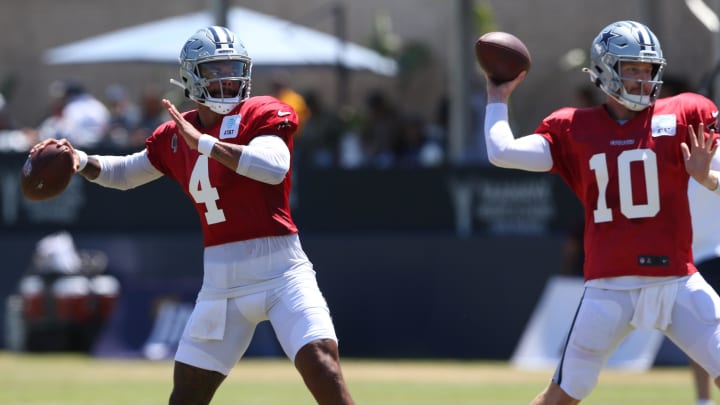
(626, 41)
(215, 69)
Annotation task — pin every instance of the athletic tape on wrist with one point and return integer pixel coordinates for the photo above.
(206, 143)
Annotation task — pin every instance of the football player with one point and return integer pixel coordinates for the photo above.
(232, 156)
(628, 161)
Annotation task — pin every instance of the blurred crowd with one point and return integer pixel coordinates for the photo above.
(375, 135)
(115, 121)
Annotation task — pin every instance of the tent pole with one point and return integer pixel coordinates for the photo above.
(220, 11)
(459, 81)
(343, 75)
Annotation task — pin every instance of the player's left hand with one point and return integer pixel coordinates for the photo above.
(699, 155)
(184, 127)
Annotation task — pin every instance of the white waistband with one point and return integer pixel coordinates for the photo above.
(246, 267)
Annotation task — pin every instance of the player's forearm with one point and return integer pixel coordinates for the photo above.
(265, 159)
(226, 153)
(120, 172)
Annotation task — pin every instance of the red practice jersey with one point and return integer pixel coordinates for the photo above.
(632, 182)
(231, 207)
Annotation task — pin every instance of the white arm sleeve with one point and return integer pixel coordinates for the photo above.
(126, 172)
(531, 152)
(266, 159)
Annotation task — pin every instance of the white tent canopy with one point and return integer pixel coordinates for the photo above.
(270, 41)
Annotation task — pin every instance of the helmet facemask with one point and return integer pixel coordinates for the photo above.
(221, 84)
(622, 42)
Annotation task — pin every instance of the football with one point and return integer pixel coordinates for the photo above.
(502, 56)
(46, 172)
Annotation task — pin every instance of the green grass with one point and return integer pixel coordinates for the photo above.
(60, 379)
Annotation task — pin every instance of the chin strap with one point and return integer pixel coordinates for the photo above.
(182, 86)
(177, 83)
(593, 76)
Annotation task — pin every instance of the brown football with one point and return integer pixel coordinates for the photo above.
(502, 55)
(46, 172)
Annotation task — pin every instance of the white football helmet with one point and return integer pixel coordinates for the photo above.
(626, 41)
(215, 69)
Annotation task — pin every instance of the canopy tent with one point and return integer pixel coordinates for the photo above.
(270, 41)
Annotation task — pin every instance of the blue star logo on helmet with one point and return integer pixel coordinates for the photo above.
(606, 37)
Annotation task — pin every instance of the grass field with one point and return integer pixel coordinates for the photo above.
(81, 380)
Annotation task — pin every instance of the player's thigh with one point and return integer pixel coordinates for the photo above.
(695, 326)
(242, 316)
(299, 314)
(601, 322)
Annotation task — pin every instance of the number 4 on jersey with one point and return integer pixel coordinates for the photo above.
(203, 192)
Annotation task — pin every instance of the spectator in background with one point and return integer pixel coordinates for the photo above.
(320, 143)
(283, 92)
(6, 122)
(75, 115)
(152, 114)
(442, 114)
(475, 151)
(573, 253)
(12, 136)
(673, 85)
(438, 128)
(585, 97)
(413, 147)
(51, 126)
(379, 130)
(124, 115)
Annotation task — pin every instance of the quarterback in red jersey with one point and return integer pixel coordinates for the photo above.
(629, 161)
(232, 158)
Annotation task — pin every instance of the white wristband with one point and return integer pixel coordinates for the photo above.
(83, 157)
(206, 143)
